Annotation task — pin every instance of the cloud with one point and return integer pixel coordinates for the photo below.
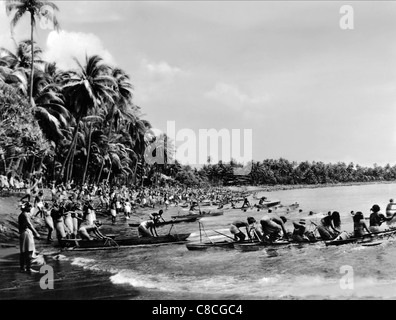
(232, 96)
(88, 12)
(62, 47)
(156, 79)
(161, 69)
(21, 31)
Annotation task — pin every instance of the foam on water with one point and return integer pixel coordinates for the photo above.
(244, 286)
(276, 287)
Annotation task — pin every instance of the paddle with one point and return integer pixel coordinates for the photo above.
(108, 239)
(224, 235)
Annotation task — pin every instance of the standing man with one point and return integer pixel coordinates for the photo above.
(26, 239)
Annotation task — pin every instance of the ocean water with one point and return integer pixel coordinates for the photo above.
(292, 272)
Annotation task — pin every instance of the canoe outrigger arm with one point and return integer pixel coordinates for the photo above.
(200, 235)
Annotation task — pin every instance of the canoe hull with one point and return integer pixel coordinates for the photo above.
(135, 241)
(202, 215)
(208, 245)
(179, 220)
(364, 240)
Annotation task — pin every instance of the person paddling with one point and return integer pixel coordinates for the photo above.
(87, 229)
(157, 216)
(328, 226)
(377, 218)
(359, 225)
(239, 236)
(147, 229)
(273, 228)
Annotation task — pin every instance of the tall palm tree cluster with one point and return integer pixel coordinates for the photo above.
(87, 115)
(91, 129)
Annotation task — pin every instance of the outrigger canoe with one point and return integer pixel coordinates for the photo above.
(290, 207)
(367, 239)
(268, 204)
(199, 215)
(173, 221)
(207, 245)
(134, 241)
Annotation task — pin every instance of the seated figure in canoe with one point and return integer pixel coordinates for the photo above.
(359, 225)
(377, 219)
(360, 228)
(329, 226)
(239, 236)
(86, 229)
(273, 228)
(147, 229)
(157, 216)
(300, 232)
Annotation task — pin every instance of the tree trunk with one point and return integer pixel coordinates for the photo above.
(72, 163)
(11, 161)
(100, 172)
(5, 166)
(108, 139)
(53, 167)
(32, 166)
(71, 147)
(32, 66)
(108, 176)
(41, 164)
(135, 172)
(88, 152)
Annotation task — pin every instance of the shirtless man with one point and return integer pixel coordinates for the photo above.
(238, 234)
(146, 229)
(157, 216)
(86, 229)
(274, 227)
(377, 218)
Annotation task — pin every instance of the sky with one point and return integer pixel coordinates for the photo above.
(286, 70)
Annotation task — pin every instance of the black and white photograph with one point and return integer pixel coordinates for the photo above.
(214, 152)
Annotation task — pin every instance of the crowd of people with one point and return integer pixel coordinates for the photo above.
(71, 212)
(71, 208)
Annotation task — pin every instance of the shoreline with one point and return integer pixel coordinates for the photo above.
(279, 187)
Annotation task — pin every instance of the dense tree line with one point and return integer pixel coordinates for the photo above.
(282, 171)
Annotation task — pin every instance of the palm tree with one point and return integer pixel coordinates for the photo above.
(121, 108)
(85, 90)
(32, 7)
(14, 66)
(91, 120)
